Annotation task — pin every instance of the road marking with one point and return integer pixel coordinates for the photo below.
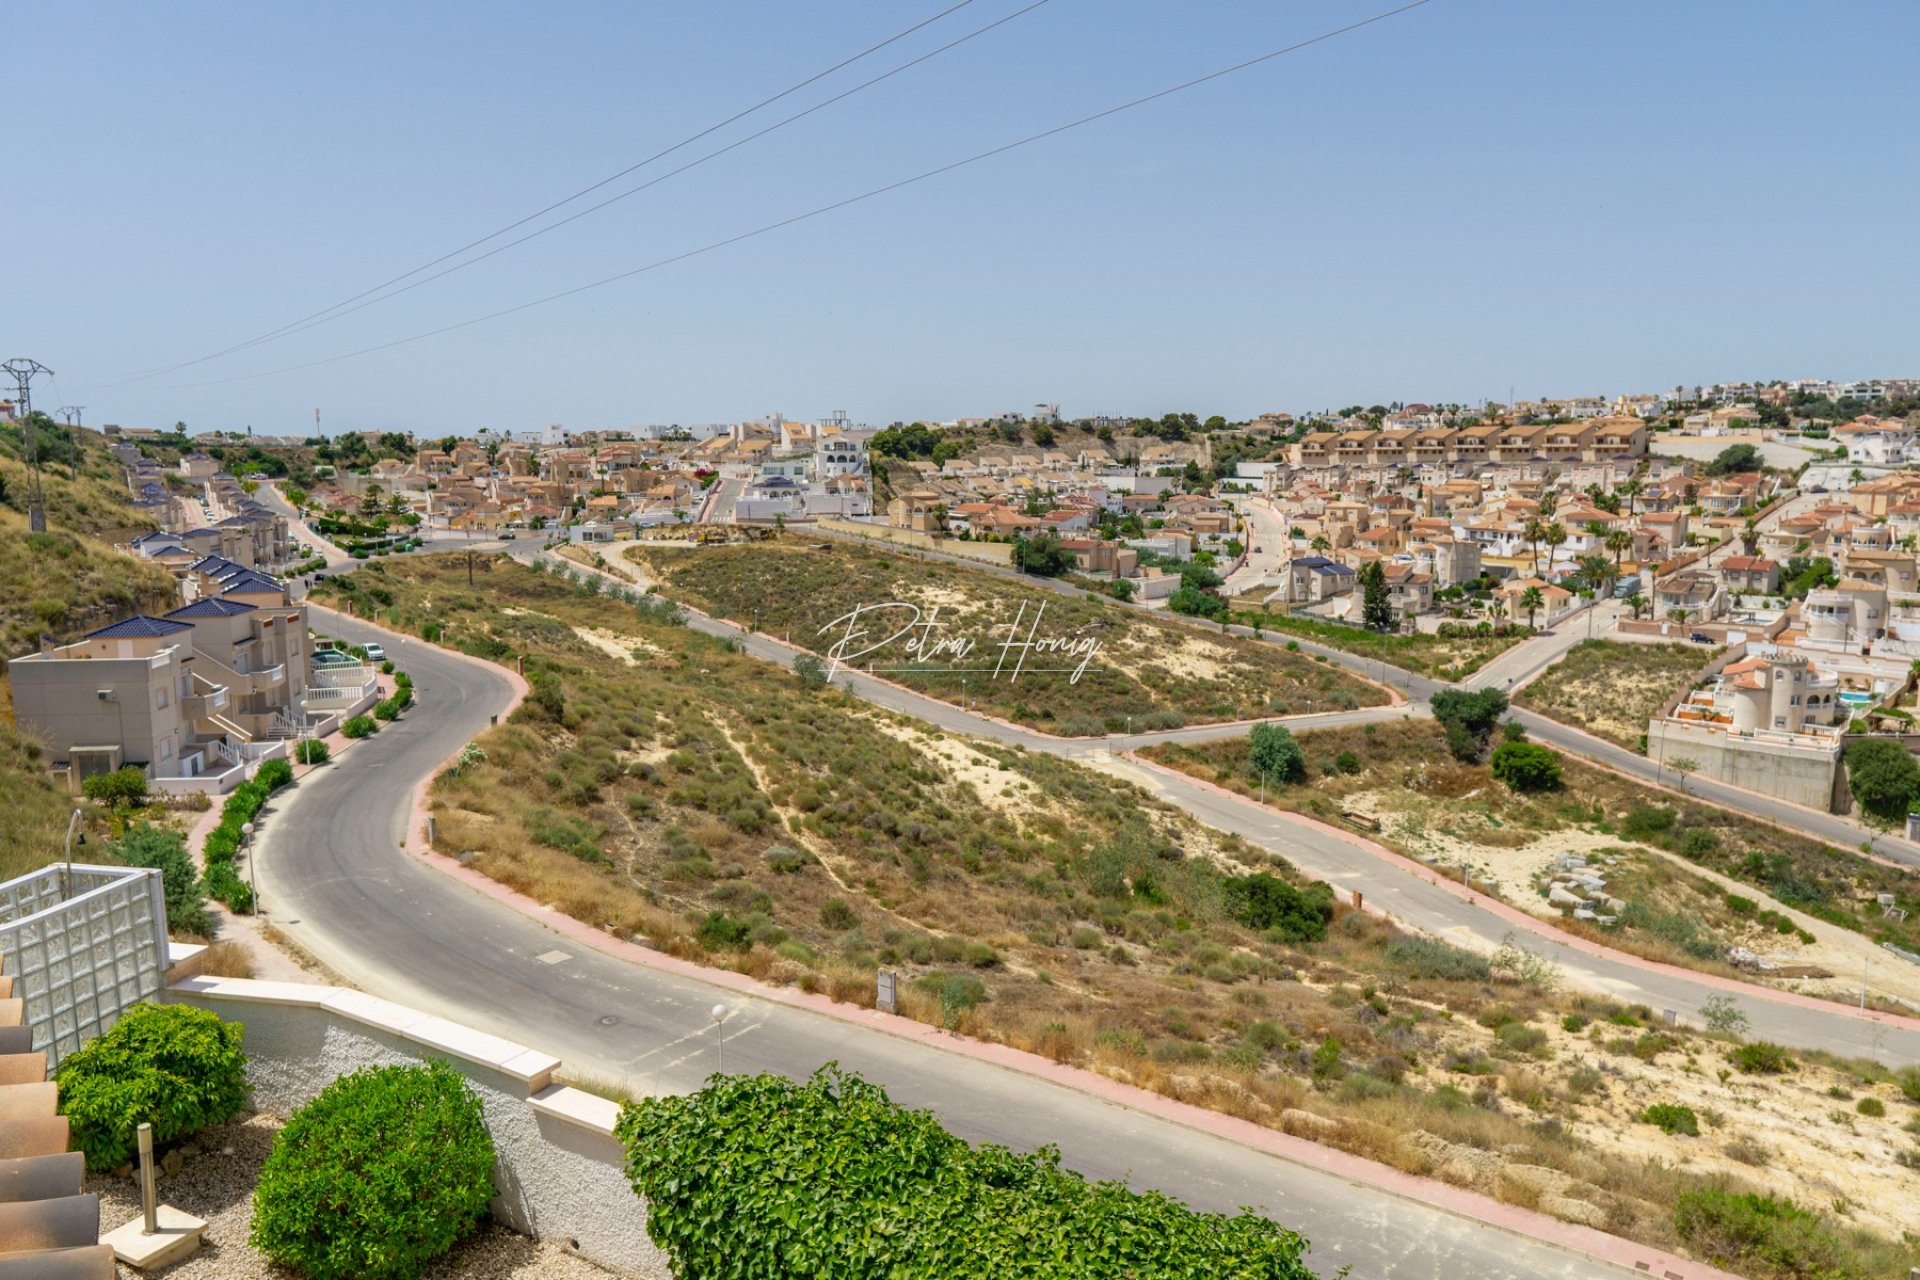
(553, 957)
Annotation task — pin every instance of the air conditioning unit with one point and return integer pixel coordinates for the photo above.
(105, 695)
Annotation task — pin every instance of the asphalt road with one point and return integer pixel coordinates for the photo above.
(333, 877)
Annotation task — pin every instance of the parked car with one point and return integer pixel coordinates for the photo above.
(332, 658)
(375, 653)
(1701, 637)
(508, 536)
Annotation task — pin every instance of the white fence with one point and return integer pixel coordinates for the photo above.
(81, 948)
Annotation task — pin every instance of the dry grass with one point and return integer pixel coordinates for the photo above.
(226, 960)
(649, 805)
(1149, 669)
(1612, 689)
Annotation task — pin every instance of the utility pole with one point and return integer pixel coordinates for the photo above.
(72, 412)
(23, 369)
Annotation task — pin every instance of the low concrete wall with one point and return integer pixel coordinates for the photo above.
(1000, 553)
(560, 1173)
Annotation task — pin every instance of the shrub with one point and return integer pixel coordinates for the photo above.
(1431, 958)
(1671, 1118)
(832, 1162)
(359, 727)
(1518, 1037)
(1526, 766)
(170, 1065)
(786, 860)
(1762, 1058)
(166, 852)
(127, 786)
(836, 915)
(275, 774)
(387, 709)
(1263, 901)
(1754, 1231)
(1872, 1108)
(1908, 1078)
(1645, 822)
(311, 751)
(1722, 1014)
(383, 1172)
(721, 932)
(386, 668)
(1469, 717)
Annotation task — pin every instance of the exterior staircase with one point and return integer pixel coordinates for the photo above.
(49, 1228)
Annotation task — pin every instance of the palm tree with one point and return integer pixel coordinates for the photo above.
(1321, 545)
(1618, 542)
(1632, 490)
(1596, 571)
(1679, 615)
(1750, 536)
(1555, 535)
(1636, 602)
(1531, 600)
(1535, 531)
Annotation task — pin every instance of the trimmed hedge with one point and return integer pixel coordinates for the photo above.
(359, 727)
(386, 1170)
(223, 842)
(312, 751)
(170, 1065)
(762, 1178)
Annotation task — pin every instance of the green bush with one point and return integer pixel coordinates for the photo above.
(1263, 901)
(1762, 1059)
(275, 774)
(1871, 1107)
(386, 1170)
(311, 751)
(127, 786)
(1526, 766)
(1431, 958)
(389, 709)
(170, 1065)
(1274, 754)
(1908, 1078)
(359, 727)
(1671, 1118)
(165, 851)
(757, 1178)
(721, 932)
(1759, 1234)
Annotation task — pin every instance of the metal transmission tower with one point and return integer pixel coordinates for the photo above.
(22, 369)
(72, 412)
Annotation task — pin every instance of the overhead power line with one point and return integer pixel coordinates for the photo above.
(562, 203)
(810, 214)
(314, 322)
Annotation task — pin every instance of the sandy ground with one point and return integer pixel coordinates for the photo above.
(1002, 789)
(1427, 832)
(627, 649)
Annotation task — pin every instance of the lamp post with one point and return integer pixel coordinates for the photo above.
(253, 881)
(719, 1016)
(66, 889)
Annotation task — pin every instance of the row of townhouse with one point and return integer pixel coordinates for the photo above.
(1602, 440)
(195, 697)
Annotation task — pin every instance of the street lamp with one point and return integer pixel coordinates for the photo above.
(253, 881)
(72, 823)
(719, 1016)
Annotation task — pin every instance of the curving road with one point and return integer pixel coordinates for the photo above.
(333, 877)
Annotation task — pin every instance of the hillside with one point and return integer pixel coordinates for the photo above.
(85, 494)
(63, 585)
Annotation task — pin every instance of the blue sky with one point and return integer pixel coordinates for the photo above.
(1562, 198)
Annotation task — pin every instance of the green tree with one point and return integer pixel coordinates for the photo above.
(1376, 611)
(1883, 776)
(1735, 458)
(145, 845)
(123, 788)
(1531, 600)
(1526, 766)
(811, 671)
(1273, 753)
(1469, 716)
(1042, 555)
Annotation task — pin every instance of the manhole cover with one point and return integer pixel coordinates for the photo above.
(610, 1021)
(553, 957)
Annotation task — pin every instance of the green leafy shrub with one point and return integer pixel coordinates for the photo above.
(721, 932)
(311, 751)
(1526, 766)
(1762, 1058)
(1671, 1118)
(1431, 958)
(1760, 1234)
(169, 1065)
(387, 709)
(1275, 755)
(386, 1170)
(127, 786)
(275, 774)
(1871, 1107)
(359, 727)
(758, 1178)
(1263, 901)
(1908, 1078)
(165, 851)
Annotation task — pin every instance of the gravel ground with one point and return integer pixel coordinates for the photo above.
(215, 1181)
